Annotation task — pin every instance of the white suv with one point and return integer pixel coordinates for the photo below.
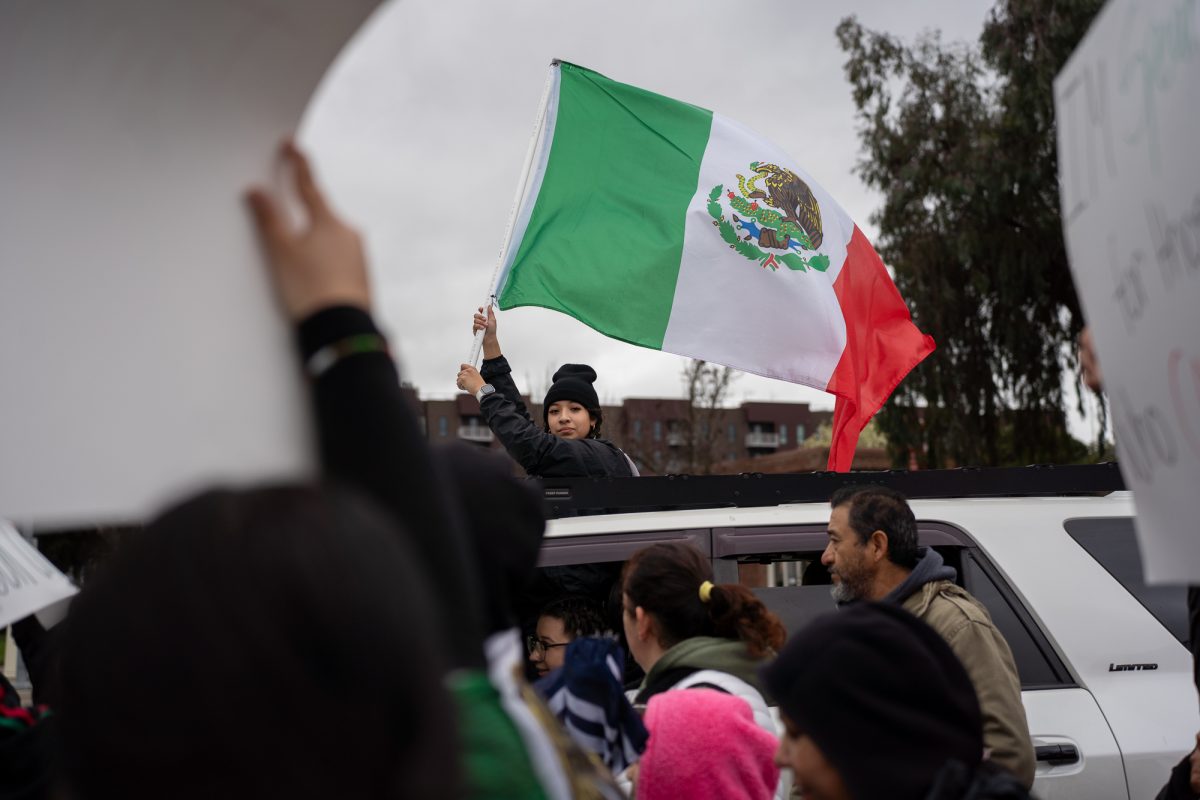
(1105, 670)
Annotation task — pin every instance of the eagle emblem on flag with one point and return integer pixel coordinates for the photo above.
(777, 223)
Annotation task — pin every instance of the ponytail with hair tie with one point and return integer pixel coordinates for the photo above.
(737, 613)
(663, 579)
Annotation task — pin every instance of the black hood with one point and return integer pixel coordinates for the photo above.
(930, 567)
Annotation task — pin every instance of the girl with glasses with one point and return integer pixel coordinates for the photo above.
(560, 622)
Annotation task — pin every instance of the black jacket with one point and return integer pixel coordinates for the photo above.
(543, 454)
(987, 782)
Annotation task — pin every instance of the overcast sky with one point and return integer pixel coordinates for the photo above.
(429, 113)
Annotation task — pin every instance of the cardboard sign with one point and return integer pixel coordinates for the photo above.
(1128, 112)
(141, 350)
(28, 582)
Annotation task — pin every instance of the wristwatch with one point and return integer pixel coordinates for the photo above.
(484, 391)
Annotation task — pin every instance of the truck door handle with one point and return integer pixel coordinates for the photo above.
(1057, 754)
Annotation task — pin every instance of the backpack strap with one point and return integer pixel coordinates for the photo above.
(663, 681)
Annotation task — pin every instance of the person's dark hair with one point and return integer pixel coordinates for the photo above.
(580, 615)
(597, 417)
(878, 508)
(280, 642)
(665, 579)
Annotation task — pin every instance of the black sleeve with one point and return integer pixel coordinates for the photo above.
(369, 438)
(529, 445)
(498, 373)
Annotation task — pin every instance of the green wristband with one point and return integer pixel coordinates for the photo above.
(324, 359)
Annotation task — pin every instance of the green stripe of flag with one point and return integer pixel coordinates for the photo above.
(606, 230)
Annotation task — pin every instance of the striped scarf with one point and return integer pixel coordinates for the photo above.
(587, 697)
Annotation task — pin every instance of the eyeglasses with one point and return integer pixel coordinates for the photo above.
(538, 647)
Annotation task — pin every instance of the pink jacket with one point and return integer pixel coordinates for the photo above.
(705, 744)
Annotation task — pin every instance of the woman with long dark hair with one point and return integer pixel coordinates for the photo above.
(684, 630)
(687, 632)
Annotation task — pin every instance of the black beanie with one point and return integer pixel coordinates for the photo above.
(572, 382)
(882, 696)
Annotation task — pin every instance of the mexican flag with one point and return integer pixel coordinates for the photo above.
(669, 226)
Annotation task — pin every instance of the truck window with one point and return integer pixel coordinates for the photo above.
(793, 585)
(782, 566)
(1113, 543)
(796, 585)
(1037, 664)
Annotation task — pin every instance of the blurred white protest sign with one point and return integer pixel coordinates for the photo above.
(141, 353)
(28, 582)
(1128, 115)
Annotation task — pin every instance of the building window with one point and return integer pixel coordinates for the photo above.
(657, 430)
(799, 434)
(783, 434)
(637, 429)
(443, 426)
(732, 432)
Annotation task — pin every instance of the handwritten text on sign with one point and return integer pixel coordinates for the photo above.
(1128, 112)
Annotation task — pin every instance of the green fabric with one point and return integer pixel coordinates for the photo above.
(712, 652)
(623, 166)
(496, 763)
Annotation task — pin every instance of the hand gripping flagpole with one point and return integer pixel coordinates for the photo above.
(522, 187)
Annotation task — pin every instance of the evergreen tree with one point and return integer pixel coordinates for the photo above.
(961, 142)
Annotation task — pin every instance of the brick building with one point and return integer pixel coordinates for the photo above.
(662, 435)
(456, 419)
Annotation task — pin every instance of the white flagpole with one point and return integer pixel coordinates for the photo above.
(522, 185)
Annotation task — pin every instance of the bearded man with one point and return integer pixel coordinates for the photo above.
(873, 555)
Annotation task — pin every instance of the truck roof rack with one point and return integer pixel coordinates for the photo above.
(573, 496)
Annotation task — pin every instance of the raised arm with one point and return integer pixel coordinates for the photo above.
(504, 410)
(367, 435)
(495, 370)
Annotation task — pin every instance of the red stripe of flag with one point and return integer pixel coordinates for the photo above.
(882, 346)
